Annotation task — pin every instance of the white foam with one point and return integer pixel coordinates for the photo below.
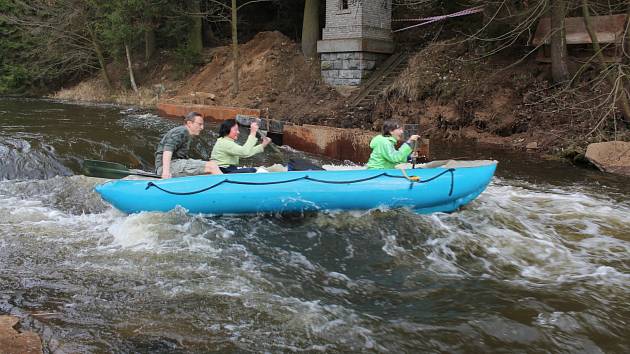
(137, 230)
(548, 235)
(391, 246)
(33, 218)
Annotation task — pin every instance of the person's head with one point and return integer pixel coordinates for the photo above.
(193, 122)
(229, 128)
(392, 128)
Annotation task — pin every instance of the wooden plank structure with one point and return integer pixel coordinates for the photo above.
(609, 30)
(379, 79)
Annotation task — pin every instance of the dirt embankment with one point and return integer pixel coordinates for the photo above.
(274, 76)
(443, 88)
(503, 100)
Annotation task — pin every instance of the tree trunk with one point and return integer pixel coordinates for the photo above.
(195, 37)
(234, 50)
(209, 36)
(310, 28)
(149, 43)
(625, 54)
(559, 67)
(100, 57)
(131, 77)
(625, 59)
(618, 87)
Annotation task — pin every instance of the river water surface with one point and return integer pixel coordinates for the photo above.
(540, 262)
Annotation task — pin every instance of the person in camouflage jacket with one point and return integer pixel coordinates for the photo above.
(171, 155)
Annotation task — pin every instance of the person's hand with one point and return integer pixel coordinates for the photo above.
(414, 137)
(265, 141)
(253, 128)
(166, 174)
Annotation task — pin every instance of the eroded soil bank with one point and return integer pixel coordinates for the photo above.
(502, 100)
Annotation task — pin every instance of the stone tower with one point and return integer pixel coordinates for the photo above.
(356, 38)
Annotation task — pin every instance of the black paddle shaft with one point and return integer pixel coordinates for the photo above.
(111, 170)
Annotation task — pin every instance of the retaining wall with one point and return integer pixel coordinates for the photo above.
(337, 143)
(216, 113)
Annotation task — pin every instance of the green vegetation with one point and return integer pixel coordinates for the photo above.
(45, 44)
(14, 74)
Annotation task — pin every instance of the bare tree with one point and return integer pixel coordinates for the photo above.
(99, 55)
(614, 73)
(559, 56)
(235, 62)
(65, 42)
(149, 38)
(233, 10)
(132, 78)
(195, 39)
(310, 28)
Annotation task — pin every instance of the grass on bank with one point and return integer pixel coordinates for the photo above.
(95, 90)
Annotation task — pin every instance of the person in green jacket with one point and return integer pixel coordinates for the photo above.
(384, 154)
(227, 152)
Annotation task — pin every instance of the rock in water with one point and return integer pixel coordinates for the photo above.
(612, 156)
(14, 342)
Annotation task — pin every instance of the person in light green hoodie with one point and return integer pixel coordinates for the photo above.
(227, 152)
(384, 154)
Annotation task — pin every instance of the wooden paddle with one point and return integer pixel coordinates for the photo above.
(111, 170)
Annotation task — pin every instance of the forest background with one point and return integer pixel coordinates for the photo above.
(474, 76)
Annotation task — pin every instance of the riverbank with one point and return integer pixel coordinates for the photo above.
(94, 90)
(497, 101)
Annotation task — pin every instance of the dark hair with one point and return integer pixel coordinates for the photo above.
(226, 126)
(190, 116)
(389, 126)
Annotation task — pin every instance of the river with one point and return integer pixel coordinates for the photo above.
(540, 262)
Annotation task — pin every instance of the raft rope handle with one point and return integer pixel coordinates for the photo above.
(412, 178)
(450, 170)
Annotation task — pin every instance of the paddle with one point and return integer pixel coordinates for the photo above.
(413, 158)
(246, 121)
(274, 147)
(111, 170)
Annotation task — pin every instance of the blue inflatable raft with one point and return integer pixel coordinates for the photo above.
(444, 188)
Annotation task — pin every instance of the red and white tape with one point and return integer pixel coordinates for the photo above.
(427, 20)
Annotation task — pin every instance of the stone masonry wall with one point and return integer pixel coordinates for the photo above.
(348, 68)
